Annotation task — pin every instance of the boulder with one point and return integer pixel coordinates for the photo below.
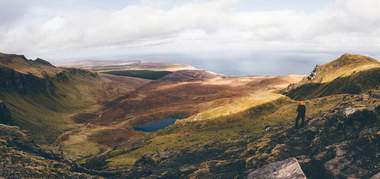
(377, 176)
(286, 169)
(343, 166)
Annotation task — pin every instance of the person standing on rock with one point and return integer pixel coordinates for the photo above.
(301, 110)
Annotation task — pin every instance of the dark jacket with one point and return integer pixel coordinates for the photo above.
(301, 109)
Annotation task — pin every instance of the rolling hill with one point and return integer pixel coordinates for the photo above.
(349, 73)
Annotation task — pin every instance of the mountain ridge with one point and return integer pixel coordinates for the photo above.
(347, 74)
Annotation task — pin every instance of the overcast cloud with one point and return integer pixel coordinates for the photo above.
(198, 32)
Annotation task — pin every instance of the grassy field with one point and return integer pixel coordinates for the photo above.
(43, 123)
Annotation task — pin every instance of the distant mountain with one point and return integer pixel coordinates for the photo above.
(138, 69)
(120, 65)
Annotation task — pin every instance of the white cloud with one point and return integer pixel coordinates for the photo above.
(213, 28)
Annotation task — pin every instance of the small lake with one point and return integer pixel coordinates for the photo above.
(156, 125)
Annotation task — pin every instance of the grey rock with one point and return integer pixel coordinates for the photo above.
(286, 169)
(377, 176)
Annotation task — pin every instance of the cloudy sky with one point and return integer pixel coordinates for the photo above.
(237, 37)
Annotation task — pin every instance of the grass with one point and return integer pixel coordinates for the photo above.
(351, 74)
(81, 150)
(145, 74)
(345, 66)
(238, 105)
(356, 83)
(43, 123)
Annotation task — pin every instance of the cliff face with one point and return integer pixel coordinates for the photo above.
(5, 115)
(13, 81)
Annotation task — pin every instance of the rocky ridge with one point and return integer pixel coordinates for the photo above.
(341, 143)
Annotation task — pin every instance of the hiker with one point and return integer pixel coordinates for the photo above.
(301, 110)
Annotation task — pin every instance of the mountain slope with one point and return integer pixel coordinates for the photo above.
(42, 98)
(342, 142)
(23, 65)
(348, 74)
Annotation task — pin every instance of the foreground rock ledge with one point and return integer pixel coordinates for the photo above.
(286, 169)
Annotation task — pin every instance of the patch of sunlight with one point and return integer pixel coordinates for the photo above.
(236, 106)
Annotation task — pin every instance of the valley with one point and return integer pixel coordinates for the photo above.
(153, 120)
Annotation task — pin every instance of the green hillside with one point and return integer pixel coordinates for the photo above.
(351, 74)
(42, 98)
(45, 114)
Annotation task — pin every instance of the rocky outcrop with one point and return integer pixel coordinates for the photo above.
(340, 143)
(286, 169)
(40, 61)
(11, 80)
(377, 176)
(314, 73)
(213, 160)
(5, 115)
(21, 158)
(12, 58)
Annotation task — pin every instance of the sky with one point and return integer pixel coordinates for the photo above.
(235, 37)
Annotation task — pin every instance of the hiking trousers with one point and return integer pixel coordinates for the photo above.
(301, 117)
